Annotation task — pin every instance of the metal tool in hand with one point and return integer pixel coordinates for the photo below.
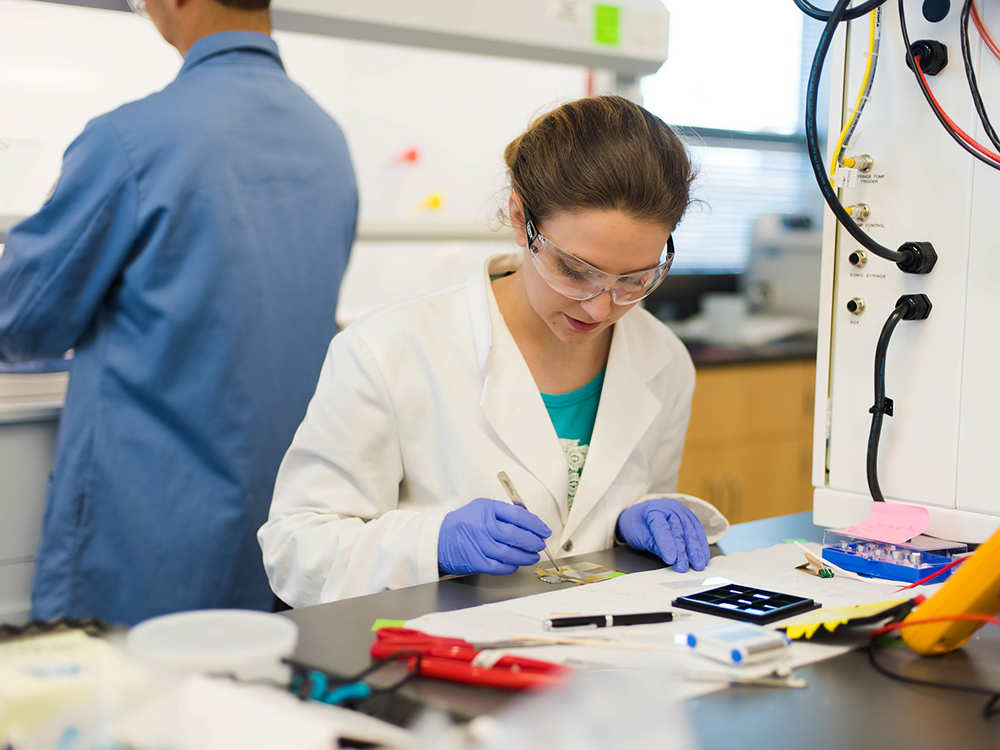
(516, 499)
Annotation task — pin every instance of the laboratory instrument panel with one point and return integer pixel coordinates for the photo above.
(911, 276)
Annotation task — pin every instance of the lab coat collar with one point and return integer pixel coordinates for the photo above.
(511, 402)
(628, 406)
(227, 41)
(483, 310)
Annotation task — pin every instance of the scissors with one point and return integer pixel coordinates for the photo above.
(457, 660)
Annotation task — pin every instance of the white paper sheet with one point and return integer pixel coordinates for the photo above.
(654, 645)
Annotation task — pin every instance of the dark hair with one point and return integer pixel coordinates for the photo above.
(602, 152)
(246, 4)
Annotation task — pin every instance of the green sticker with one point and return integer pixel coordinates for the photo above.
(607, 29)
(793, 541)
(616, 574)
(380, 623)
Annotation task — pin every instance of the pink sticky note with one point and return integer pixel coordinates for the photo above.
(892, 523)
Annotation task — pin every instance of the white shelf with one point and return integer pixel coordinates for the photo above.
(631, 42)
(403, 230)
(32, 397)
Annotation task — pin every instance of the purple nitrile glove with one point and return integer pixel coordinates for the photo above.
(666, 527)
(488, 536)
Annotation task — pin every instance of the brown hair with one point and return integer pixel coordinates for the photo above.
(605, 153)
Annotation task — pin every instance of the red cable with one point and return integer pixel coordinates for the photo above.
(924, 580)
(984, 32)
(927, 620)
(992, 155)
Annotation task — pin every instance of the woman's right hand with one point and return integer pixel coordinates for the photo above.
(488, 536)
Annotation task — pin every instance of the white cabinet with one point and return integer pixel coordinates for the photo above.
(26, 454)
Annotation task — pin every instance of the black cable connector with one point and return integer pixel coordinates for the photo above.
(932, 54)
(908, 307)
(918, 306)
(920, 257)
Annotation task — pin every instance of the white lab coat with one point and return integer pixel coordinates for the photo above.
(420, 404)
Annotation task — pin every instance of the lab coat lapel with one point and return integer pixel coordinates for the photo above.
(512, 404)
(628, 408)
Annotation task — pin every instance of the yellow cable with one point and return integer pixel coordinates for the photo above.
(861, 93)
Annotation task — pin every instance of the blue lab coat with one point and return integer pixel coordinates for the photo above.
(192, 253)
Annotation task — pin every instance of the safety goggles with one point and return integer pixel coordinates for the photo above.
(139, 6)
(575, 278)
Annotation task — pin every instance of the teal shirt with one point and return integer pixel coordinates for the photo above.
(573, 415)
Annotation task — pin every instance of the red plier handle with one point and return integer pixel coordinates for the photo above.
(454, 659)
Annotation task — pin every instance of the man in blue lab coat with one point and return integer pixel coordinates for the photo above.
(191, 253)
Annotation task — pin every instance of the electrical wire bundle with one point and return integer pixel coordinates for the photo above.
(984, 32)
(839, 14)
(315, 683)
(911, 257)
(970, 71)
(963, 139)
(850, 127)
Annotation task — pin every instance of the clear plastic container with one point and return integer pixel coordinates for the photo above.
(907, 553)
(908, 562)
(247, 644)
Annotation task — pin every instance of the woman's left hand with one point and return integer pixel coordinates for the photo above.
(666, 527)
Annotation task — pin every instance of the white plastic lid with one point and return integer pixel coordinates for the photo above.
(243, 642)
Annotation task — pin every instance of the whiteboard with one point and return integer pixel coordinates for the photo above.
(426, 128)
(424, 123)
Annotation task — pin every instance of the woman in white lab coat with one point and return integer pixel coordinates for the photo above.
(541, 365)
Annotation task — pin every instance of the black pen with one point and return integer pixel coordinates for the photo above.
(607, 621)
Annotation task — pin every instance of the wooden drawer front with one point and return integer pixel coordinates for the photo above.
(744, 400)
(750, 481)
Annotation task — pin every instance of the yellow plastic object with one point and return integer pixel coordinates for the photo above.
(974, 588)
(831, 619)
